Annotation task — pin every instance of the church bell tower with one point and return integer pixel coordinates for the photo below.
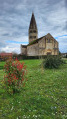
(33, 32)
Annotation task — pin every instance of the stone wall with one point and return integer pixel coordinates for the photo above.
(23, 50)
(46, 45)
(43, 47)
(32, 50)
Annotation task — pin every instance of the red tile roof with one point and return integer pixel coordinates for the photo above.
(5, 54)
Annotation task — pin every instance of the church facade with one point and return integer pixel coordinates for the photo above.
(46, 45)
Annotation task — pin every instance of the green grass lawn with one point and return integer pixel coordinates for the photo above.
(43, 97)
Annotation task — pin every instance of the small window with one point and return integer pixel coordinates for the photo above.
(34, 31)
(49, 40)
(30, 36)
(30, 31)
(34, 36)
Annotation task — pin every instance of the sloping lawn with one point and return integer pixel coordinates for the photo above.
(43, 97)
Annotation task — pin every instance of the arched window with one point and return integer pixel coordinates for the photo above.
(31, 31)
(30, 36)
(49, 41)
(34, 31)
(34, 36)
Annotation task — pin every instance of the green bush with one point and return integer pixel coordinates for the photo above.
(66, 56)
(52, 62)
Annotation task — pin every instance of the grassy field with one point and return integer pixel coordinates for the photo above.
(43, 97)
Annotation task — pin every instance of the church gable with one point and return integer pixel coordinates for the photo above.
(43, 46)
(50, 38)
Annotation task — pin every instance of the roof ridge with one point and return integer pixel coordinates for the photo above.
(35, 41)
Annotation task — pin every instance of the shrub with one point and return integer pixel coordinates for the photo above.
(15, 75)
(52, 62)
(66, 55)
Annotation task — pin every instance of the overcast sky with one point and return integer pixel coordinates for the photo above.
(15, 15)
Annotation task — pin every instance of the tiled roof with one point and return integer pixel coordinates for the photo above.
(33, 22)
(35, 41)
(5, 54)
(46, 36)
(24, 46)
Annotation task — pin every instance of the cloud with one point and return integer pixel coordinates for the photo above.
(62, 43)
(13, 47)
(15, 17)
(10, 49)
(66, 4)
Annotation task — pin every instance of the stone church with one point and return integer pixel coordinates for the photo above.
(46, 45)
